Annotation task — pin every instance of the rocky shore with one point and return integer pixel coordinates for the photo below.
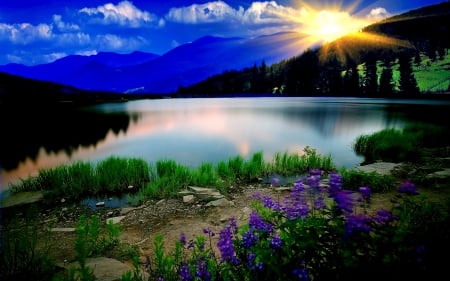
(196, 209)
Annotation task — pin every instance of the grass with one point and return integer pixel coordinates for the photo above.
(166, 177)
(393, 145)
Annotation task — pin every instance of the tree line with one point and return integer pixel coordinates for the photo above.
(361, 65)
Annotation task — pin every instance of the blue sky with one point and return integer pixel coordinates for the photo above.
(40, 31)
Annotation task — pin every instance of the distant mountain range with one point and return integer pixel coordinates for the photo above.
(140, 72)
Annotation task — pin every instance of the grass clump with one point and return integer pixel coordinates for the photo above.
(393, 145)
(21, 256)
(354, 179)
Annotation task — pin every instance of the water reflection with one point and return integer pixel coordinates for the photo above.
(192, 131)
(31, 139)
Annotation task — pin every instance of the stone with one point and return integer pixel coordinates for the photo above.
(189, 199)
(100, 204)
(107, 269)
(382, 168)
(115, 220)
(222, 202)
(63, 229)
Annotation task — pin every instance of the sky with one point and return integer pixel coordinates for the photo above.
(41, 31)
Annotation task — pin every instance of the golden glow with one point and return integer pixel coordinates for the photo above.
(326, 23)
(327, 26)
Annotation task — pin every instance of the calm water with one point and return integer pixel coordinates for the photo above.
(192, 131)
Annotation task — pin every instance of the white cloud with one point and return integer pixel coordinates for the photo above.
(219, 11)
(62, 26)
(124, 13)
(25, 33)
(203, 13)
(378, 13)
(112, 42)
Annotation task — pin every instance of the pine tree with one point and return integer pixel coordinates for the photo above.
(386, 81)
(370, 79)
(407, 82)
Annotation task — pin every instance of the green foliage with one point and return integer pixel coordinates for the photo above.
(303, 237)
(400, 145)
(354, 179)
(79, 179)
(388, 145)
(22, 257)
(294, 164)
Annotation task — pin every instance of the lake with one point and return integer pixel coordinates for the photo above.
(192, 131)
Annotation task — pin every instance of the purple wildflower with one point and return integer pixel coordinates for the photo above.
(275, 242)
(183, 238)
(344, 200)
(298, 186)
(335, 181)
(365, 193)
(257, 223)
(202, 270)
(225, 244)
(408, 188)
(384, 216)
(319, 204)
(315, 172)
(209, 232)
(301, 274)
(249, 238)
(251, 259)
(184, 272)
(357, 223)
(275, 181)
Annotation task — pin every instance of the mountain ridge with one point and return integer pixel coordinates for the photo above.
(186, 64)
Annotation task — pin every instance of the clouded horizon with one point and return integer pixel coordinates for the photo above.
(35, 32)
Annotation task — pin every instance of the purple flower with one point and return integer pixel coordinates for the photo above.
(202, 270)
(274, 181)
(384, 216)
(257, 223)
(184, 272)
(249, 238)
(365, 193)
(408, 188)
(315, 172)
(335, 182)
(301, 274)
(344, 200)
(251, 259)
(183, 238)
(225, 245)
(357, 223)
(298, 186)
(275, 242)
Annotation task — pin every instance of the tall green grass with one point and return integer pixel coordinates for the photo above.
(165, 178)
(81, 179)
(395, 145)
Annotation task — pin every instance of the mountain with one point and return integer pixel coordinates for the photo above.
(375, 62)
(149, 73)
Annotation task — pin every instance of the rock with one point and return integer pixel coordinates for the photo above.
(382, 168)
(188, 199)
(63, 229)
(115, 220)
(21, 198)
(205, 193)
(106, 269)
(100, 204)
(220, 203)
(125, 211)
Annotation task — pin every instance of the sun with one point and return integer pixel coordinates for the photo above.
(326, 23)
(328, 26)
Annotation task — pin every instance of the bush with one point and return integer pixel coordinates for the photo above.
(318, 233)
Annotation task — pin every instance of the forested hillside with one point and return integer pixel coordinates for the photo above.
(383, 60)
